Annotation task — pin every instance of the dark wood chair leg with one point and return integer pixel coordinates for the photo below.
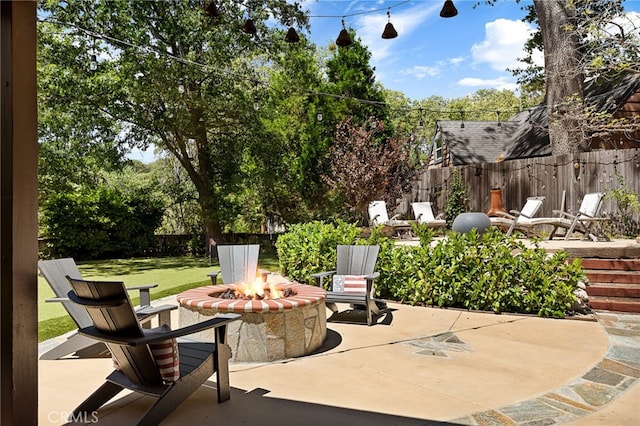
(90, 405)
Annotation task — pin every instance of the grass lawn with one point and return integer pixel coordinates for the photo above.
(172, 274)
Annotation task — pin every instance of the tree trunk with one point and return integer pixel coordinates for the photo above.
(212, 228)
(564, 76)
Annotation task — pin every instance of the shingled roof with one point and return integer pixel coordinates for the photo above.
(477, 141)
(526, 134)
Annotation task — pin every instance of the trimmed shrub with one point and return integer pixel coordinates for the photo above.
(487, 272)
(101, 224)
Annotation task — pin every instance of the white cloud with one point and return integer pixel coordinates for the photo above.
(503, 44)
(499, 83)
(422, 71)
(456, 61)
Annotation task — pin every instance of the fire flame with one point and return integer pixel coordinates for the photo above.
(256, 290)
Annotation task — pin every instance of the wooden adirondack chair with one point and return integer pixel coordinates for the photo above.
(353, 280)
(116, 324)
(55, 272)
(238, 264)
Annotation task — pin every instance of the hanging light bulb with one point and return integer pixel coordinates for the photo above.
(93, 62)
(389, 31)
(256, 105)
(292, 36)
(499, 122)
(420, 122)
(181, 86)
(344, 39)
(448, 9)
(249, 27)
(212, 11)
(462, 119)
(319, 115)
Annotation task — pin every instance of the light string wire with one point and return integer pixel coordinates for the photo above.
(364, 12)
(210, 69)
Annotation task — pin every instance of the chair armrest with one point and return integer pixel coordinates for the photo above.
(214, 277)
(372, 276)
(505, 214)
(395, 216)
(57, 299)
(319, 276)
(220, 320)
(440, 216)
(563, 214)
(145, 294)
(142, 287)
(154, 310)
(264, 273)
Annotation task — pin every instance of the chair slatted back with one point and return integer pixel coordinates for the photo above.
(591, 204)
(356, 260)
(55, 272)
(109, 307)
(238, 263)
(423, 212)
(378, 213)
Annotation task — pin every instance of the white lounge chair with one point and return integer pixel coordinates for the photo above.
(424, 215)
(378, 216)
(521, 220)
(585, 222)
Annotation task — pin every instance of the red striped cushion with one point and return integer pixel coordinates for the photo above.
(349, 284)
(165, 354)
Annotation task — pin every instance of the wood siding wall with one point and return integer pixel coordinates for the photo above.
(543, 176)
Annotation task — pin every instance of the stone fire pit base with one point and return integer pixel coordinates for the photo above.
(268, 335)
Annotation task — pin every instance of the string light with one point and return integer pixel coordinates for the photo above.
(181, 89)
(448, 9)
(389, 31)
(344, 39)
(93, 60)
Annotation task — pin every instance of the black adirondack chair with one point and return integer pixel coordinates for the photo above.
(116, 324)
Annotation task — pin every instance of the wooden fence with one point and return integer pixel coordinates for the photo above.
(575, 175)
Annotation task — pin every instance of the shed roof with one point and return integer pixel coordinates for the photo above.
(526, 134)
(477, 141)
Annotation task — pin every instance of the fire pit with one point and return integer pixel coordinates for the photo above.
(280, 319)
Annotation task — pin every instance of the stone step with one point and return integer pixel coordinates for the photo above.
(613, 290)
(612, 264)
(619, 304)
(601, 276)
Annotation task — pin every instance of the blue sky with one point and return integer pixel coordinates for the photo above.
(449, 57)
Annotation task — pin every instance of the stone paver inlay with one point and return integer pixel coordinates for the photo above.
(441, 344)
(618, 371)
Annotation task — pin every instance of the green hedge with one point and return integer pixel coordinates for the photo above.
(488, 272)
(101, 224)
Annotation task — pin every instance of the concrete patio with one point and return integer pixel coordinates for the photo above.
(417, 366)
